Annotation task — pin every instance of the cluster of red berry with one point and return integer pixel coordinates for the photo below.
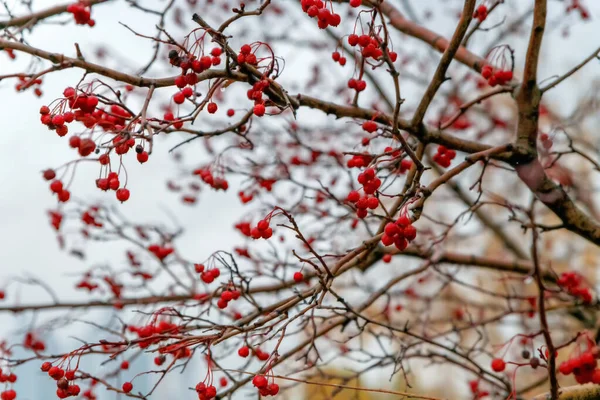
(169, 118)
(359, 161)
(444, 156)
(161, 252)
(371, 47)
(575, 285)
(36, 82)
(496, 76)
(357, 84)
(226, 297)
(261, 230)
(247, 56)
(84, 146)
(370, 183)
(583, 367)
(64, 387)
(147, 331)
(82, 13)
(207, 275)
(33, 343)
(207, 177)
(56, 186)
(481, 13)
(191, 62)
(256, 94)
(245, 352)
(264, 388)
(112, 182)
(399, 233)
(10, 377)
(206, 392)
(317, 8)
(8, 395)
(338, 58)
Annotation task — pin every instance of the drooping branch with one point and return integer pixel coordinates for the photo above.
(40, 15)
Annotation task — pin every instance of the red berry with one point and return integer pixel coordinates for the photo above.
(498, 365)
(244, 351)
(142, 157)
(298, 276)
(212, 108)
(127, 387)
(259, 110)
(123, 195)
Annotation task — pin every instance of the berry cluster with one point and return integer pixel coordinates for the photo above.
(575, 285)
(226, 297)
(444, 156)
(370, 184)
(256, 94)
(161, 252)
(147, 331)
(316, 8)
(245, 352)
(481, 13)
(56, 186)
(170, 119)
(583, 367)
(399, 233)
(215, 182)
(264, 388)
(33, 343)
(209, 276)
(357, 84)
(246, 55)
(65, 387)
(189, 62)
(496, 76)
(371, 47)
(82, 13)
(8, 395)
(359, 161)
(24, 82)
(338, 58)
(206, 392)
(261, 230)
(112, 182)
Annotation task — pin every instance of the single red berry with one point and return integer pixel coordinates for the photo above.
(142, 157)
(127, 387)
(212, 108)
(123, 194)
(244, 351)
(259, 110)
(56, 186)
(298, 276)
(498, 365)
